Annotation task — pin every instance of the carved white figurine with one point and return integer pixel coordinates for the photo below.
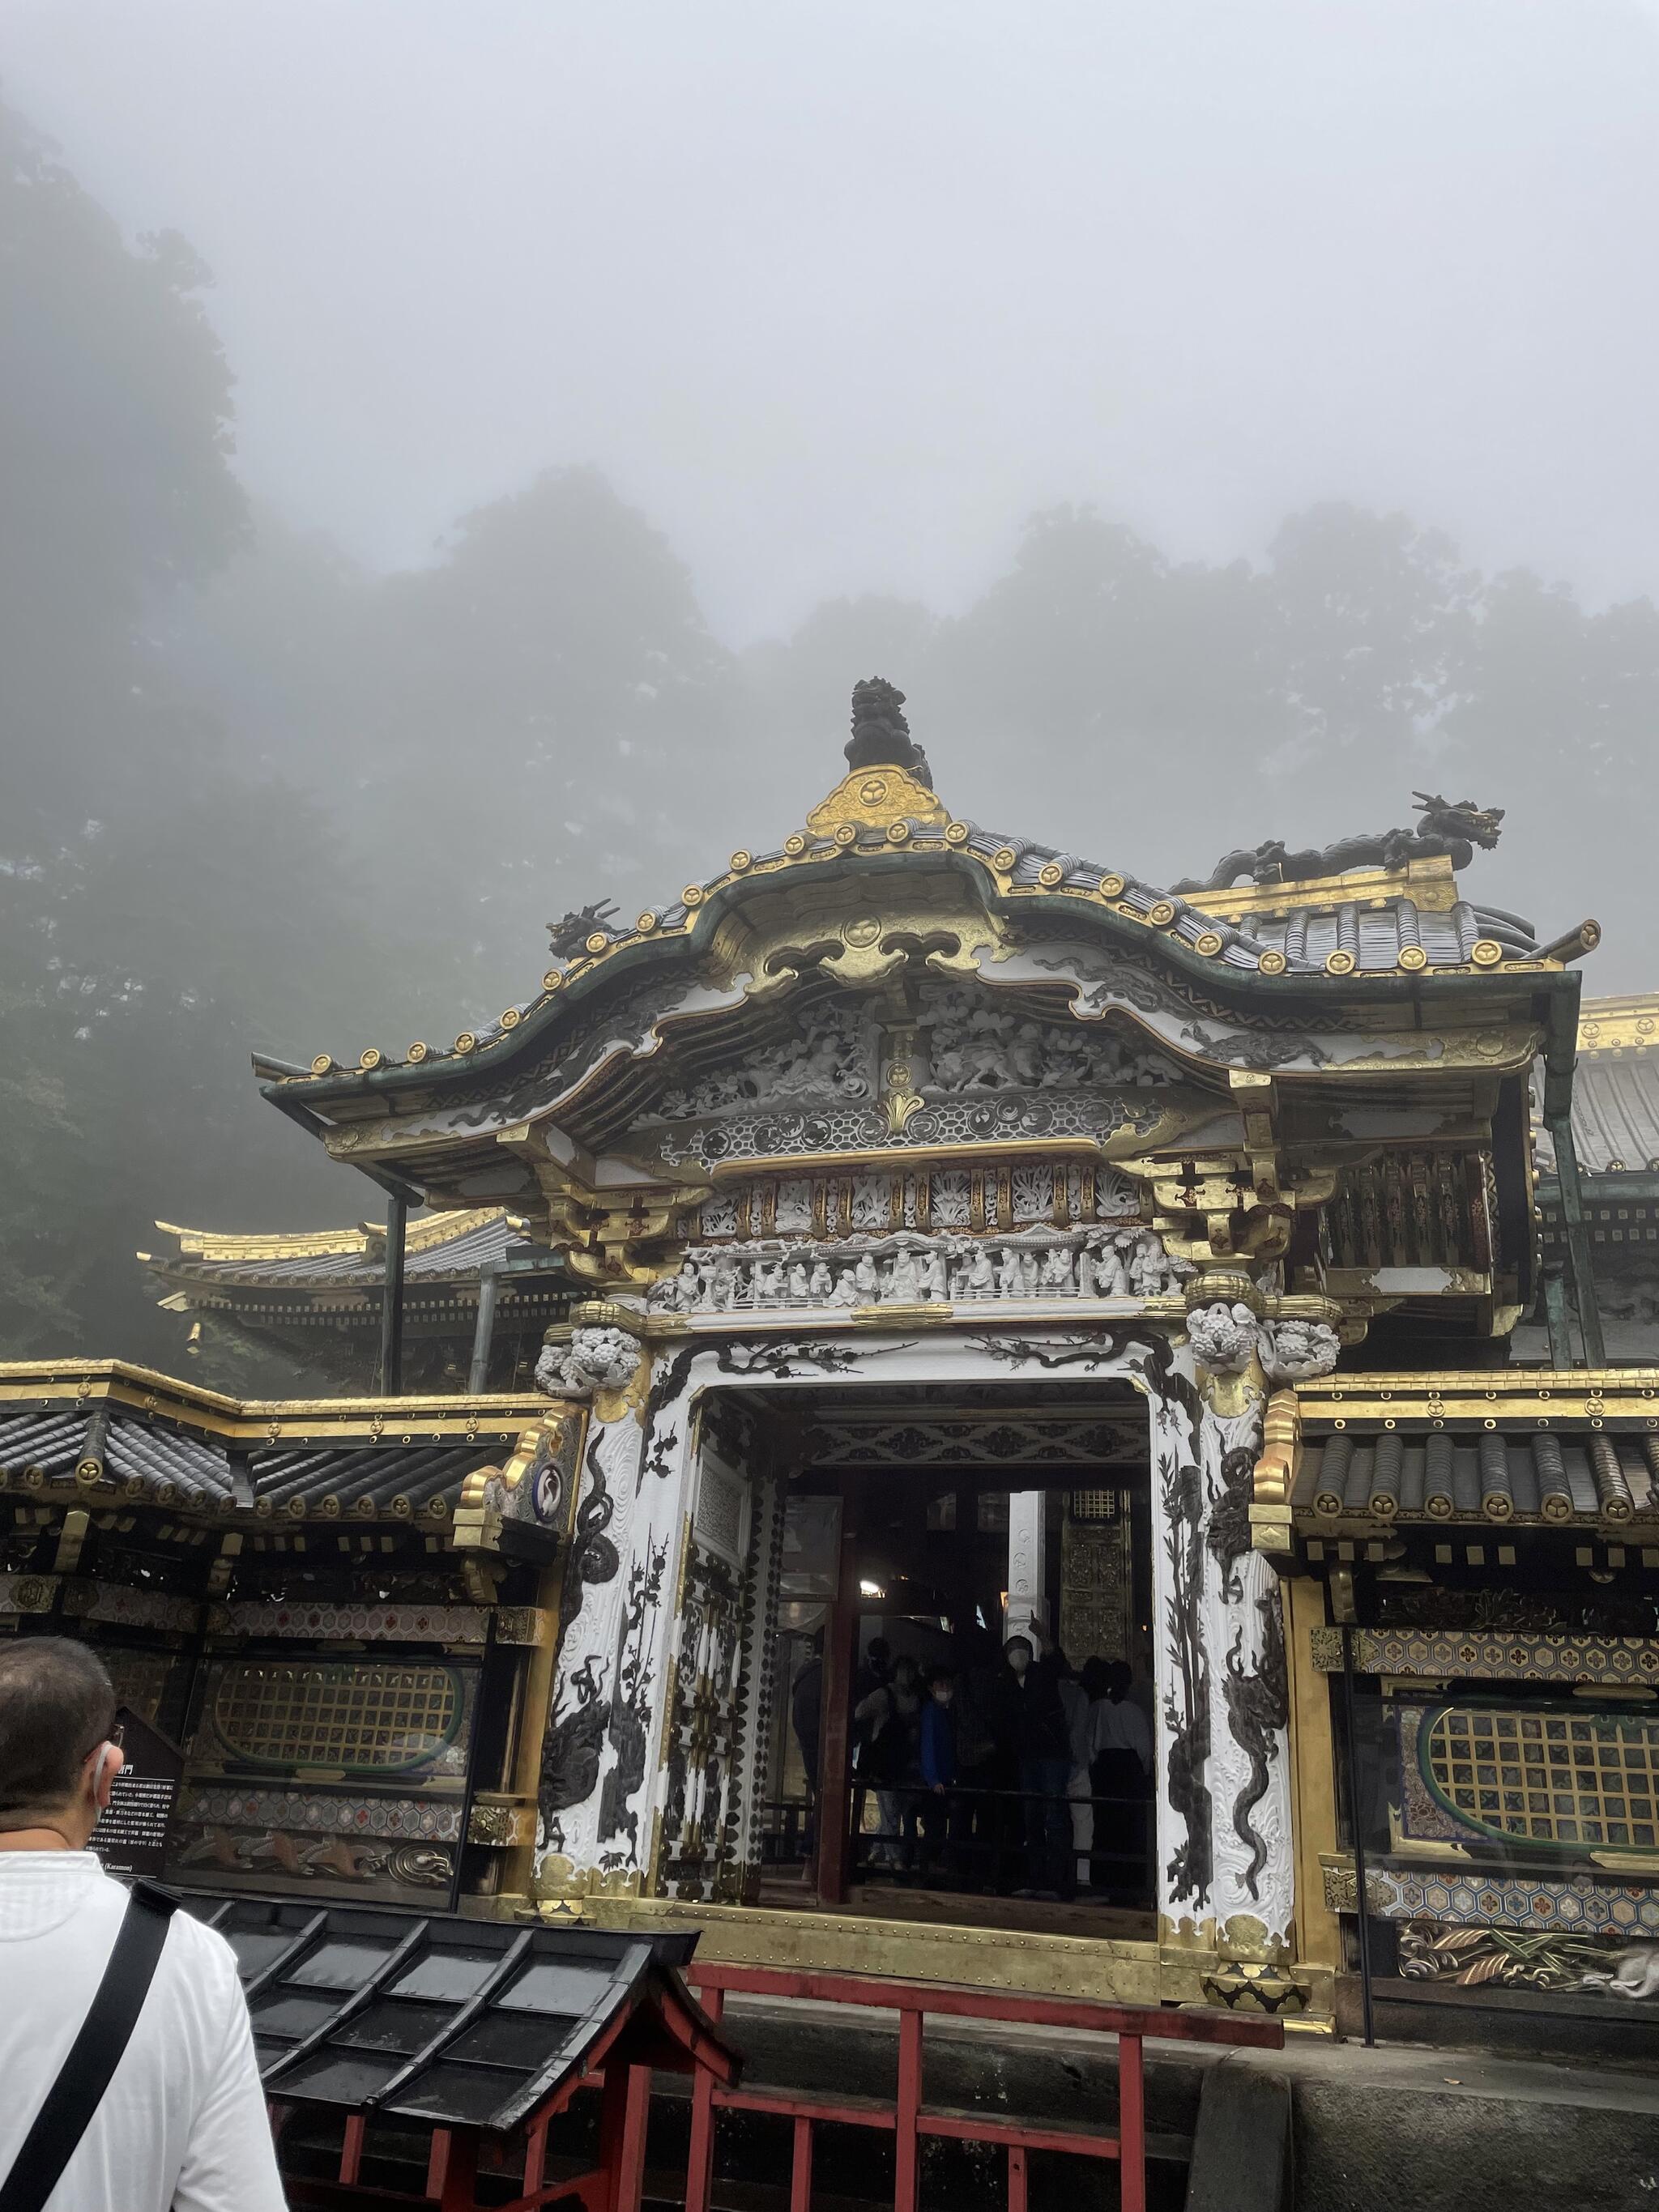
(935, 1281)
(1057, 1282)
(686, 1290)
(904, 1281)
(1635, 1973)
(866, 1279)
(1148, 1269)
(1223, 1336)
(1115, 1281)
(847, 1290)
(1031, 1269)
(980, 1281)
(769, 1283)
(594, 1359)
(798, 1290)
(1299, 1351)
(1011, 1276)
(822, 1282)
(724, 1284)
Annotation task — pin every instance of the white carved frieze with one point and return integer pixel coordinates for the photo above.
(905, 1268)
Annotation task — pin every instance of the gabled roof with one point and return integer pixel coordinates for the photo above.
(1408, 924)
(475, 2023)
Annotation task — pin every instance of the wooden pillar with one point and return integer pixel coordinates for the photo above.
(1578, 1239)
(391, 1299)
(835, 1726)
(1313, 1775)
(524, 1770)
(489, 1284)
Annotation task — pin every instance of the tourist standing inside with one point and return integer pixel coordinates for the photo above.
(942, 1806)
(1034, 1720)
(1120, 1745)
(891, 1719)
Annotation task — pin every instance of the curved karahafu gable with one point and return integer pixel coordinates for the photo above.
(897, 981)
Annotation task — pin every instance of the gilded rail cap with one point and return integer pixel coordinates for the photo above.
(1221, 1286)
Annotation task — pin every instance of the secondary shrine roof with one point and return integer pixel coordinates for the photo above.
(99, 1431)
(1615, 1092)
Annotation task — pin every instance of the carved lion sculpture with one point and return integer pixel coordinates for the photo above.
(594, 1359)
(1222, 1337)
(1298, 1351)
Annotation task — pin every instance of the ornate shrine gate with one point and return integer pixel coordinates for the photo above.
(654, 1771)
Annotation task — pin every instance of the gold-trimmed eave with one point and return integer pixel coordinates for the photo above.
(232, 1249)
(1628, 1022)
(903, 843)
(1482, 1398)
(86, 1384)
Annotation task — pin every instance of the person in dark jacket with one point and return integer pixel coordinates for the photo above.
(1034, 1715)
(806, 1713)
(943, 1808)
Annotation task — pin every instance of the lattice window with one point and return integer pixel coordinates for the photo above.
(1096, 1505)
(1577, 1779)
(364, 1719)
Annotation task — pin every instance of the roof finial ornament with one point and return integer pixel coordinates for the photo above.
(881, 736)
(568, 936)
(1445, 830)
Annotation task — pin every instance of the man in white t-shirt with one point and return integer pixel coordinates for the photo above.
(182, 2125)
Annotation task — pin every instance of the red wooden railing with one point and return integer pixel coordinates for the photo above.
(908, 2119)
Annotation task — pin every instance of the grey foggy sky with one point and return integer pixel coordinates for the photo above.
(838, 290)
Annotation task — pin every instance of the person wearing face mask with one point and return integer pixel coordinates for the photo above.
(169, 2116)
(1035, 1719)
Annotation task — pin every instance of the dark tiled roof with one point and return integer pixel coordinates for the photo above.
(1315, 919)
(169, 1465)
(426, 2017)
(1513, 1476)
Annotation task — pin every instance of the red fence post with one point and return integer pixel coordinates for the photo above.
(351, 2150)
(909, 2105)
(1131, 2123)
(1016, 2197)
(625, 2104)
(800, 2168)
(700, 2165)
(451, 2169)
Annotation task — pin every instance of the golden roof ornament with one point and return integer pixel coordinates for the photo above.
(890, 780)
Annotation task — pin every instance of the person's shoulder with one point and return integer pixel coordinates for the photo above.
(201, 1956)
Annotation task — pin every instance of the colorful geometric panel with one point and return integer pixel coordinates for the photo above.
(1629, 1910)
(347, 1716)
(1557, 1780)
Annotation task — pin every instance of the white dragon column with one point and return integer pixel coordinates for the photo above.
(1241, 1628)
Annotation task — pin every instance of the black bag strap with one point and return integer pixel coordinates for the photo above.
(95, 2053)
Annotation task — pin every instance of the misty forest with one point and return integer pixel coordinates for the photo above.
(253, 794)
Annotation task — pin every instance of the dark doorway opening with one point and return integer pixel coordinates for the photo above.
(912, 1774)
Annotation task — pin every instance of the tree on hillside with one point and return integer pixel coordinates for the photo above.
(160, 910)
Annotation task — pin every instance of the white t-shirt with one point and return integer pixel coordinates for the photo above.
(182, 2127)
(1120, 1726)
